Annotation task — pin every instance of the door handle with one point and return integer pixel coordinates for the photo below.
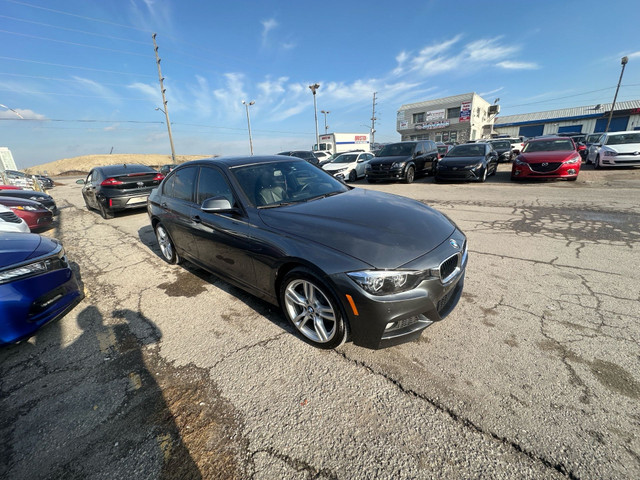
(196, 218)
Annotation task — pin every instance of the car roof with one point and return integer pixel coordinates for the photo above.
(236, 161)
(125, 167)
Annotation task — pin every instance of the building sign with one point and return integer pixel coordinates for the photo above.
(434, 115)
(404, 125)
(465, 111)
(432, 125)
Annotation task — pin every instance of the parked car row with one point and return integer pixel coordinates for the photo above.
(35, 210)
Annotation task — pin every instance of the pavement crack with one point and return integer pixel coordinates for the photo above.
(465, 422)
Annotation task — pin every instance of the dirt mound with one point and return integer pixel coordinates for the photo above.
(81, 165)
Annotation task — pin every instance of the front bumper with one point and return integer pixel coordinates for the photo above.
(459, 173)
(381, 172)
(384, 321)
(564, 170)
(28, 304)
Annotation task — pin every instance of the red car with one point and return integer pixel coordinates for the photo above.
(547, 157)
(36, 215)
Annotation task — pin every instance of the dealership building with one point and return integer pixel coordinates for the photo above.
(470, 117)
(589, 119)
(452, 119)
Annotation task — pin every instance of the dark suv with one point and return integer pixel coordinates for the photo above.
(403, 161)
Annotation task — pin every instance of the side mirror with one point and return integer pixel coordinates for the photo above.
(80, 182)
(216, 204)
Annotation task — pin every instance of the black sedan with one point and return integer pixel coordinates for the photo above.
(340, 261)
(307, 155)
(43, 198)
(119, 187)
(470, 161)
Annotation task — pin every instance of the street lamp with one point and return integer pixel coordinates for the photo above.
(623, 62)
(166, 115)
(246, 106)
(313, 89)
(326, 127)
(14, 111)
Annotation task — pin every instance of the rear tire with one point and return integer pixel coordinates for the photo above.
(166, 245)
(106, 213)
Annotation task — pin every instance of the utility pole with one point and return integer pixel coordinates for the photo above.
(373, 120)
(164, 99)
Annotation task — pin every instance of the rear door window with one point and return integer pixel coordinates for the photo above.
(181, 184)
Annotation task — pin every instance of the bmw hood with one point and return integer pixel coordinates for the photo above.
(380, 229)
(20, 247)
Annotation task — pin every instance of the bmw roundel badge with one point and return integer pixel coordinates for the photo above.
(454, 244)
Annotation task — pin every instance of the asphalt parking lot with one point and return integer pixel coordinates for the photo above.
(167, 372)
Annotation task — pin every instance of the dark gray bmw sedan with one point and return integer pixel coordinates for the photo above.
(342, 263)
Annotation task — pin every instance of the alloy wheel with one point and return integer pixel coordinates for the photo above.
(310, 311)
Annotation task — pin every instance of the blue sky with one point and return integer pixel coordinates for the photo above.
(82, 74)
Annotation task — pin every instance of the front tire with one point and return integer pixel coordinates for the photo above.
(410, 175)
(596, 163)
(352, 176)
(312, 309)
(485, 172)
(166, 245)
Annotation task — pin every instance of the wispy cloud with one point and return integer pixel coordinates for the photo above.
(509, 65)
(21, 113)
(452, 55)
(96, 88)
(267, 27)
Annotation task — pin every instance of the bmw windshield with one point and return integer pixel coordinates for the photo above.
(284, 183)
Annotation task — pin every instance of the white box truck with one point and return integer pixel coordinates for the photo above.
(342, 142)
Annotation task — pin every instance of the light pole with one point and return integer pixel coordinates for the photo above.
(9, 108)
(246, 106)
(313, 89)
(166, 115)
(623, 62)
(326, 127)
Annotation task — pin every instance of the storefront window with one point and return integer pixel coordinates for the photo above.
(418, 117)
(453, 112)
(453, 137)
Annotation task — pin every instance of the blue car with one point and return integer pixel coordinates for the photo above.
(36, 285)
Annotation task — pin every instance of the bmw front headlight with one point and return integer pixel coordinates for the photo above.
(386, 282)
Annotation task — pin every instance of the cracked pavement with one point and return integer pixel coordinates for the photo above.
(168, 372)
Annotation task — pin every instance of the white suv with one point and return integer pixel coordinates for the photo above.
(616, 149)
(349, 165)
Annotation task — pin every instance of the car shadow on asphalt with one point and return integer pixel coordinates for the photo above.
(71, 410)
(261, 307)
